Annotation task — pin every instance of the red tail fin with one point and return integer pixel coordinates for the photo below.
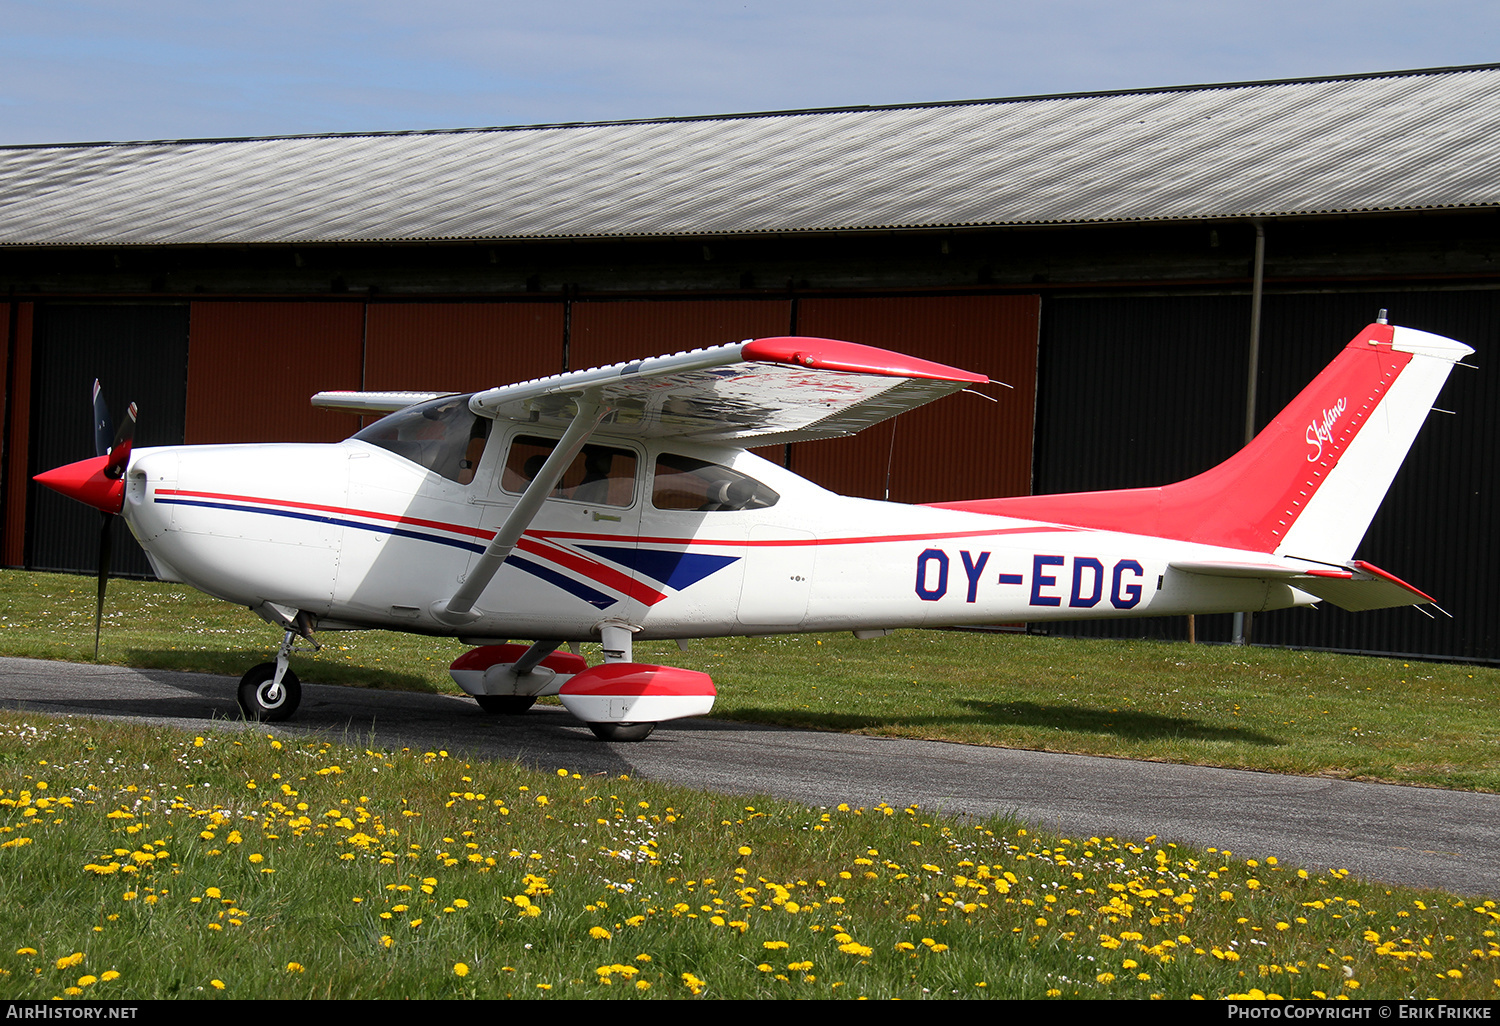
(1309, 482)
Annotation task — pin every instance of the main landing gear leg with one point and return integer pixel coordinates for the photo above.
(618, 647)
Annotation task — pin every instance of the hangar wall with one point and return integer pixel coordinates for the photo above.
(1127, 347)
(242, 371)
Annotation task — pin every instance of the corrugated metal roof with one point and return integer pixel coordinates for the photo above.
(1411, 140)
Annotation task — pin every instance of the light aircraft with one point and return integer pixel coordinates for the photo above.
(620, 503)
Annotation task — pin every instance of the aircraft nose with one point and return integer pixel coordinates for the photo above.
(86, 482)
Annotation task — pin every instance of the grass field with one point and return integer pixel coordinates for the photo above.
(140, 863)
(1244, 707)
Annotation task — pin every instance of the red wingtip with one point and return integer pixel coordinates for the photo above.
(87, 482)
(831, 354)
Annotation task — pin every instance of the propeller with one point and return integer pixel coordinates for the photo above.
(99, 482)
(114, 470)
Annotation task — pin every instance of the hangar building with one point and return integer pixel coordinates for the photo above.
(1120, 258)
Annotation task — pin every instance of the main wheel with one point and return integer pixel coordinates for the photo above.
(622, 731)
(505, 705)
(256, 684)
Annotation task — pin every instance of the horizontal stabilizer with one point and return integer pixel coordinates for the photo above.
(372, 402)
(1358, 587)
(1369, 588)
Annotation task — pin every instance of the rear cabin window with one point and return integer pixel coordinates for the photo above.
(600, 474)
(442, 435)
(684, 483)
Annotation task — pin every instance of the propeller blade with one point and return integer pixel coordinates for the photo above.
(106, 494)
(119, 453)
(106, 545)
(101, 421)
(127, 427)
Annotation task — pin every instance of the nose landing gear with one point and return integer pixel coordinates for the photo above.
(265, 699)
(271, 692)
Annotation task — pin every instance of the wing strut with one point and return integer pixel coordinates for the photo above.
(459, 609)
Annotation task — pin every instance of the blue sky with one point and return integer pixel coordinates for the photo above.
(86, 70)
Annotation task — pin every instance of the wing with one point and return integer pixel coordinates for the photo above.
(372, 402)
(765, 391)
(759, 392)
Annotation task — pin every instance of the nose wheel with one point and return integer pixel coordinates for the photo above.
(261, 699)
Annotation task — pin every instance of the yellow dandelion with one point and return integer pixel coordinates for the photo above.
(216, 984)
(294, 967)
(459, 969)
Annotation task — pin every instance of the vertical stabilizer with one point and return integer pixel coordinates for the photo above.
(1353, 453)
(1309, 483)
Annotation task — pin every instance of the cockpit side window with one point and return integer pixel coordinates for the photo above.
(685, 483)
(602, 475)
(442, 435)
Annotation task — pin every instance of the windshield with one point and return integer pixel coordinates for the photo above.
(442, 435)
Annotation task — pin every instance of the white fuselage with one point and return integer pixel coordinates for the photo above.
(358, 536)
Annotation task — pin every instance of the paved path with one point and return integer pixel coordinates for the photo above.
(1408, 835)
